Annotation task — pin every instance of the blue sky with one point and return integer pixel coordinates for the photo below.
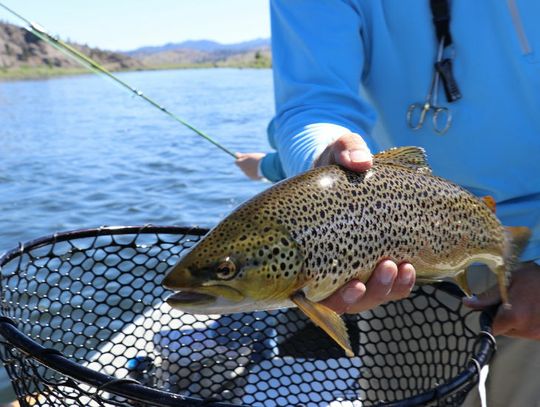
(129, 24)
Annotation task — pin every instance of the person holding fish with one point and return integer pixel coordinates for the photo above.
(350, 79)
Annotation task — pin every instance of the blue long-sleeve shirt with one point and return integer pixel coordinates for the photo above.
(356, 66)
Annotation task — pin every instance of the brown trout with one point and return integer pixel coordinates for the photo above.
(302, 239)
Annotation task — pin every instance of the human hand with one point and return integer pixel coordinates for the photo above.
(349, 150)
(388, 282)
(249, 164)
(522, 320)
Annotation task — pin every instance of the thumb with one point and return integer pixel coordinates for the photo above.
(489, 297)
(351, 151)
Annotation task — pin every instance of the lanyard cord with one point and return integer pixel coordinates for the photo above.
(89, 63)
(440, 11)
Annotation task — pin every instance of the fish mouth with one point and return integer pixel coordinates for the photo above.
(190, 298)
(207, 295)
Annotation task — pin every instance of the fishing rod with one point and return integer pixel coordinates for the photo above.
(94, 66)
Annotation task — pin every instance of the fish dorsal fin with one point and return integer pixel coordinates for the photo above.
(411, 157)
(326, 319)
(490, 203)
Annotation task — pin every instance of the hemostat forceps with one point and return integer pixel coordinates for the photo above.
(441, 116)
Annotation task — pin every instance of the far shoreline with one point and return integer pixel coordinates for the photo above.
(45, 72)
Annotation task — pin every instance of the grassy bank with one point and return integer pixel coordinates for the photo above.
(43, 72)
(38, 72)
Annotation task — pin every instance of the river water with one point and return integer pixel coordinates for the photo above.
(80, 152)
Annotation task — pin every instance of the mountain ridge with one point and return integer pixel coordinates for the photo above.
(203, 45)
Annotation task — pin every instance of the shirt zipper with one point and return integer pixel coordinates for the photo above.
(518, 25)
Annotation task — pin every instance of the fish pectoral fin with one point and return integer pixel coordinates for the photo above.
(463, 283)
(326, 319)
(413, 158)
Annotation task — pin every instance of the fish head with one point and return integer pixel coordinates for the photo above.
(238, 267)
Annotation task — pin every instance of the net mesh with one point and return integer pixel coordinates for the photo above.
(94, 299)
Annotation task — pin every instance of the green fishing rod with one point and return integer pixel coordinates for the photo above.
(89, 63)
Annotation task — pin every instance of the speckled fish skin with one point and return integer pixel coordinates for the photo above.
(356, 220)
(316, 231)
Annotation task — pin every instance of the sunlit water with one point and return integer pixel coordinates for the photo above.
(80, 152)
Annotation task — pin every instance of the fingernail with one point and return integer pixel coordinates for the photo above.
(386, 276)
(359, 156)
(350, 295)
(473, 299)
(405, 277)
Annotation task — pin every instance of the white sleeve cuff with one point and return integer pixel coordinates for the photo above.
(300, 150)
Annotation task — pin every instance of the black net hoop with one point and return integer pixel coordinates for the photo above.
(83, 322)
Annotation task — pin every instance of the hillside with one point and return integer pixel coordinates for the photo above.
(194, 53)
(22, 55)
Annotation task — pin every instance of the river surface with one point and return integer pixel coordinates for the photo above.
(80, 152)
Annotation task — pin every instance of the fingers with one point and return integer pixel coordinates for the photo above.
(520, 322)
(349, 294)
(404, 282)
(522, 319)
(485, 299)
(504, 322)
(350, 151)
(249, 164)
(388, 282)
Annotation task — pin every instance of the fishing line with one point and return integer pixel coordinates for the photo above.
(92, 65)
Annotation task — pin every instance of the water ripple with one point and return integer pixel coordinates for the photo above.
(86, 154)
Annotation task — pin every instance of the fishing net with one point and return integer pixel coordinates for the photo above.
(83, 323)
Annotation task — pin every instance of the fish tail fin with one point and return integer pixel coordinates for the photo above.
(517, 238)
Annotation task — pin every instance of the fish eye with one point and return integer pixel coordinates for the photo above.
(226, 269)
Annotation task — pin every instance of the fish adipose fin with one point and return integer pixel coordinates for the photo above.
(326, 319)
(490, 203)
(413, 158)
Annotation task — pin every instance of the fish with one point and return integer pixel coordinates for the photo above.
(302, 239)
